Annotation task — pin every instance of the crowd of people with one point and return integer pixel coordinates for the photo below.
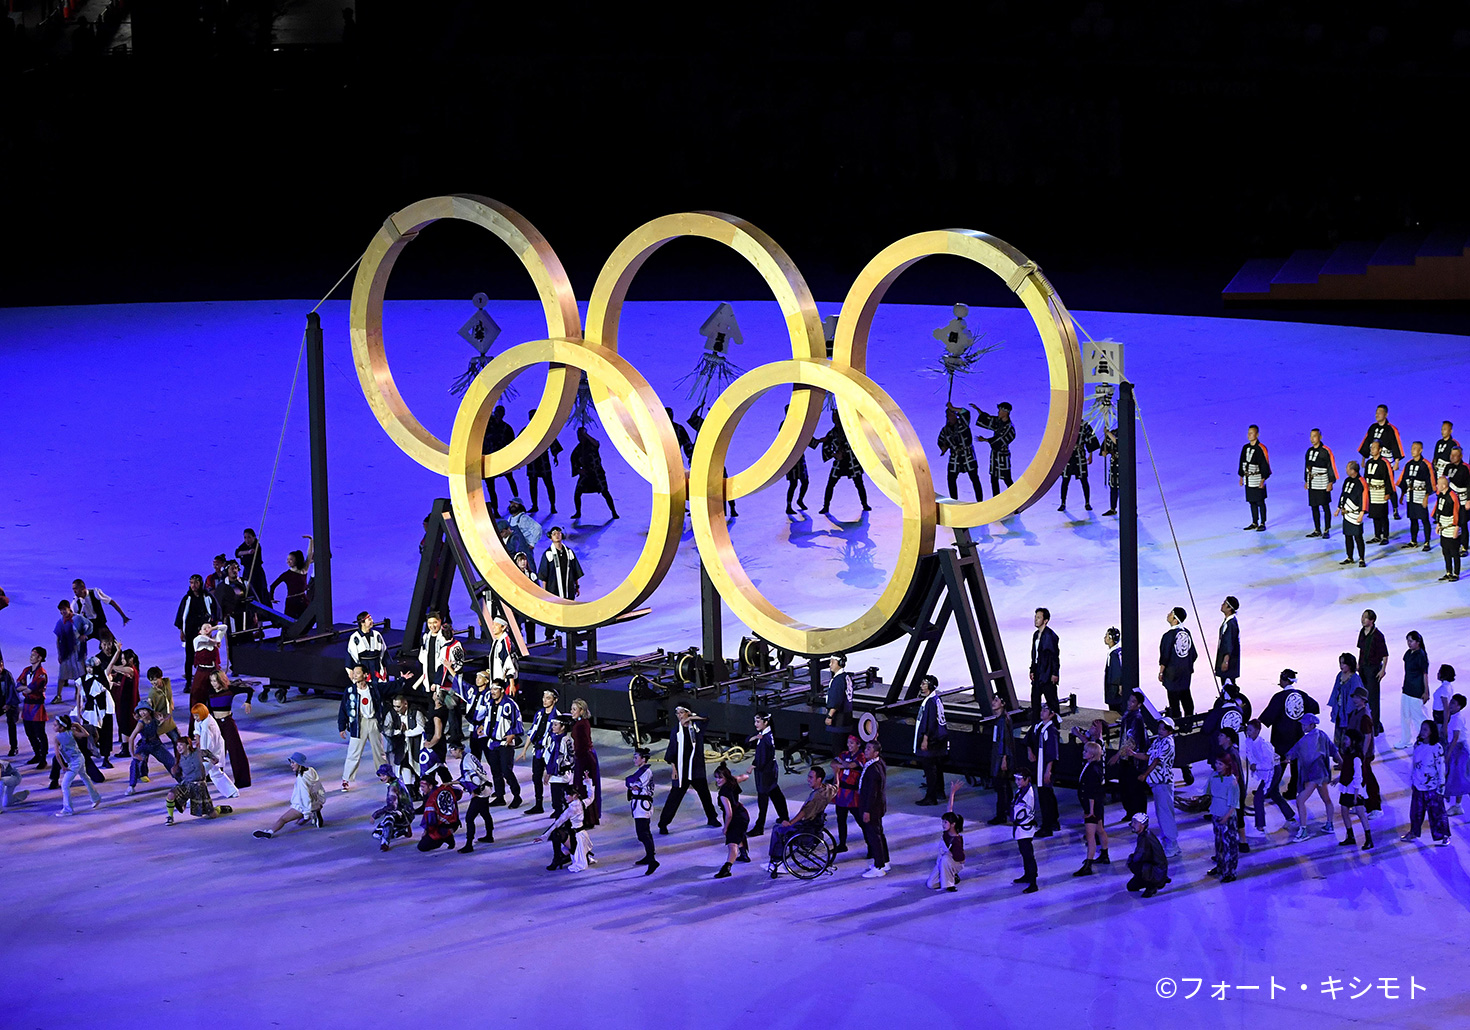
(1435, 489)
(446, 746)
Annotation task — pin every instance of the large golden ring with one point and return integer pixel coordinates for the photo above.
(467, 494)
(1063, 361)
(911, 486)
(557, 300)
(605, 308)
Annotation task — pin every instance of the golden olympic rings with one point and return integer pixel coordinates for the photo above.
(637, 425)
(910, 487)
(366, 321)
(467, 494)
(1063, 359)
(791, 292)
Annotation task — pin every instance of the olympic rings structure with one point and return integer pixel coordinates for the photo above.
(636, 424)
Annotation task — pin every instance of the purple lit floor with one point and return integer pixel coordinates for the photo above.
(139, 440)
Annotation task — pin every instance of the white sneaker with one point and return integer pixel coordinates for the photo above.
(887, 867)
(97, 803)
(874, 873)
(132, 791)
(64, 811)
(1454, 810)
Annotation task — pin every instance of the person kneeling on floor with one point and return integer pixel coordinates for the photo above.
(395, 818)
(307, 798)
(441, 813)
(192, 790)
(1148, 863)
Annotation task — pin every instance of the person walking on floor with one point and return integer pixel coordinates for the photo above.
(640, 806)
(68, 746)
(358, 723)
(872, 807)
(685, 756)
(767, 774)
(1350, 799)
(1159, 775)
(1224, 791)
(736, 819)
(1312, 753)
(1414, 706)
(1427, 782)
(847, 768)
(1360, 721)
(1092, 790)
(1025, 816)
(1043, 748)
(1260, 769)
(1372, 663)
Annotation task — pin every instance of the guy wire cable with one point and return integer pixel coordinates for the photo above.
(295, 378)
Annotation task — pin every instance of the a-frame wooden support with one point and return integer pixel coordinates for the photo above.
(956, 589)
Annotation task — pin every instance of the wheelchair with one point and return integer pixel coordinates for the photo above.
(810, 852)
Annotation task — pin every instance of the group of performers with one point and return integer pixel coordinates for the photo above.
(1435, 489)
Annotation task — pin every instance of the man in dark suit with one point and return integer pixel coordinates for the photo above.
(1002, 769)
(930, 745)
(872, 807)
(1046, 663)
(685, 755)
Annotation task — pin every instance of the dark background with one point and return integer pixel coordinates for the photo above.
(1138, 153)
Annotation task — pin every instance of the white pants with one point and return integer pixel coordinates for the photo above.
(370, 735)
(581, 846)
(946, 870)
(222, 781)
(1412, 713)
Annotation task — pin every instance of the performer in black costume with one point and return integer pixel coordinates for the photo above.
(1077, 466)
(1318, 479)
(839, 702)
(1109, 450)
(586, 463)
(1457, 475)
(1253, 469)
(1378, 478)
(685, 755)
(1448, 519)
(498, 433)
(538, 470)
(1416, 482)
(1227, 649)
(1176, 664)
(956, 440)
(1442, 448)
(1352, 505)
(797, 475)
(767, 774)
(1390, 443)
(696, 420)
(845, 465)
(560, 571)
(1002, 435)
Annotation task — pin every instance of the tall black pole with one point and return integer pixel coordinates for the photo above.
(321, 529)
(1128, 532)
(712, 618)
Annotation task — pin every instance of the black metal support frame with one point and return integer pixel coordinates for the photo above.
(954, 587)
